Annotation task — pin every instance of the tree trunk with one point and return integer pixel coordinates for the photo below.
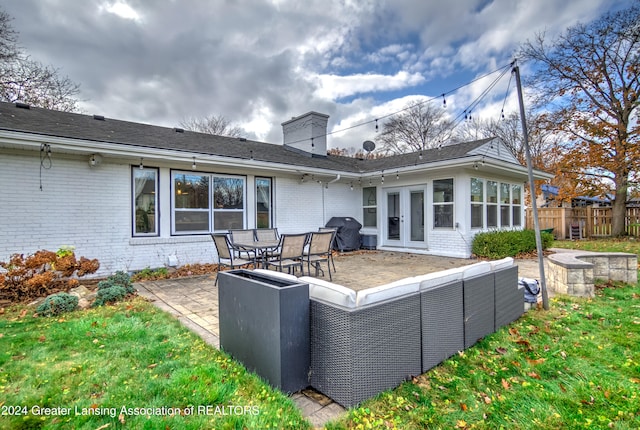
(619, 211)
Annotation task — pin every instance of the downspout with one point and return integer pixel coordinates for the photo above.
(336, 179)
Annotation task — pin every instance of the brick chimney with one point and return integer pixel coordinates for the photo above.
(307, 134)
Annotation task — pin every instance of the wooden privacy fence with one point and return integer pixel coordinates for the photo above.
(574, 223)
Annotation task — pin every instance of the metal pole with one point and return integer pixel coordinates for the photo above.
(532, 193)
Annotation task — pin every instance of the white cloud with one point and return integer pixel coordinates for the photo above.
(334, 87)
(121, 9)
(260, 62)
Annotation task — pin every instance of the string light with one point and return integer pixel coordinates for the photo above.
(444, 102)
(397, 175)
(193, 166)
(382, 177)
(141, 165)
(502, 69)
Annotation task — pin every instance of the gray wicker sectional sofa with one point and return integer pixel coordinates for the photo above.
(367, 341)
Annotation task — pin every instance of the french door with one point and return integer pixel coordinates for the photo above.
(405, 217)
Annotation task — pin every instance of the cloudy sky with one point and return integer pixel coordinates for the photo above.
(260, 62)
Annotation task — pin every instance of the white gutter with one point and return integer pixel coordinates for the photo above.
(81, 146)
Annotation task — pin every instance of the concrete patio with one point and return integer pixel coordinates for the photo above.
(194, 301)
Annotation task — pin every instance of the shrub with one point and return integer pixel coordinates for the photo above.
(56, 304)
(507, 243)
(147, 274)
(109, 295)
(43, 273)
(122, 279)
(113, 289)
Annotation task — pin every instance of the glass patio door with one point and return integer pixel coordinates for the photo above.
(404, 220)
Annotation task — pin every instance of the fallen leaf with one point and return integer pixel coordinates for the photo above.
(591, 401)
(463, 407)
(563, 354)
(501, 350)
(635, 380)
(535, 330)
(536, 361)
(23, 313)
(1, 311)
(534, 375)
(505, 384)
(487, 400)
(103, 427)
(42, 338)
(121, 418)
(514, 331)
(461, 424)
(562, 388)
(152, 366)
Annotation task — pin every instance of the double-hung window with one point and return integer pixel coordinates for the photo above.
(369, 207)
(505, 209)
(477, 203)
(443, 203)
(264, 213)
(516, 205)
(492, 204)
(204, 203)
(145, 201)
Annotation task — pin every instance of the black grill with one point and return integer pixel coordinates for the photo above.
(347, 234)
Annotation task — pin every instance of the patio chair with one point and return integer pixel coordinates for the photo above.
(263, 234)
(226, 256)
(333, 239)
(290, 252)
(241, 236)
(319, 250)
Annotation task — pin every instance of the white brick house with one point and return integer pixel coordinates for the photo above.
(135, 195)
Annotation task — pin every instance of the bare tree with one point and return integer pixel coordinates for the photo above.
(8, 38)
(589, 79)
(542, 140)
(420, 126)
(25, 80)
(213, 124)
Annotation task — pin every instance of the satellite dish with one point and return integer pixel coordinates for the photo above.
(368, 145)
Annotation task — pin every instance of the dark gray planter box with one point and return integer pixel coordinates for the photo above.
(264, 323)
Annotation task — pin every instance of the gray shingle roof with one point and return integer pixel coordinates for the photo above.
(91, 128)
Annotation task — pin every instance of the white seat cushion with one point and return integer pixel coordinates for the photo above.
(505, 263)
(476, 269)
(276, 274)
(387, 291)
(432, 280)
(330, 292)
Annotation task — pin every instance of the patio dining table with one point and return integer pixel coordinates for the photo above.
(260, 247)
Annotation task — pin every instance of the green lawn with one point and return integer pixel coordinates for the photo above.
(87, 366)
(576, 366)
(631, 245)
